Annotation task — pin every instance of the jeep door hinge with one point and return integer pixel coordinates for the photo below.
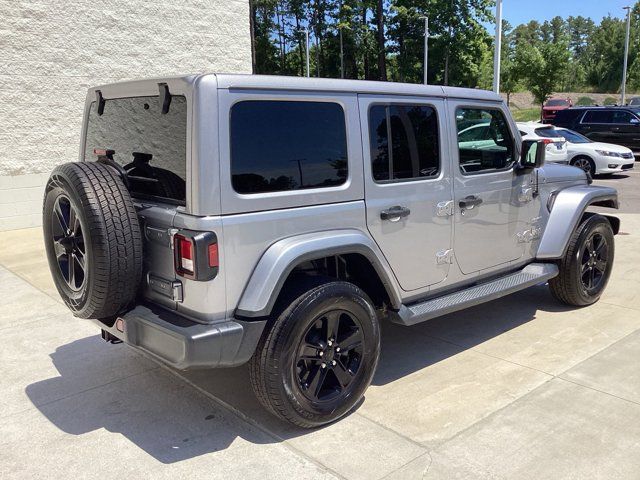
(444, 209)
(444, 257)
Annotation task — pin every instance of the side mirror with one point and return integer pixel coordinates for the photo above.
(532, 154)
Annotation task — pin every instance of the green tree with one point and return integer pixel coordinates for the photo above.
(509, 73)
(542, 67)
(604, 53)
(383, 39)
(579, 30)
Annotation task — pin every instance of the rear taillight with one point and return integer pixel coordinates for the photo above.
(547, 141)
(184, 256)
(196, 254)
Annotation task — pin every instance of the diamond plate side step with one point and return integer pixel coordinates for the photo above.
(529, 276)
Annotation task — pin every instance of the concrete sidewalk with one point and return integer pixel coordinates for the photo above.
(517, 388)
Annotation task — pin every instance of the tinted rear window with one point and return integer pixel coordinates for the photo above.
(286, 145)
(547, 132)
(152, 146)
(557, 103)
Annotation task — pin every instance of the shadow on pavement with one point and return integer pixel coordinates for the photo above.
(164, 417)
(167, 420)
(613, 176)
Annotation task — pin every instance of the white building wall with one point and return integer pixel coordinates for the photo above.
(51, 51)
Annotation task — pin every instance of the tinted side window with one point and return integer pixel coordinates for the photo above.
(623, 117)
(566, 117)
(490, 151)
(414, 151)
(287, 145)
(598, 116)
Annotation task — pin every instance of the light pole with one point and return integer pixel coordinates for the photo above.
(426, 47)
(626, 54)
(496, 53)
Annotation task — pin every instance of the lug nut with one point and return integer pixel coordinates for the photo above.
(333, 363)
(330, 342)
(323, 365)
(321, 354)
(337, 349)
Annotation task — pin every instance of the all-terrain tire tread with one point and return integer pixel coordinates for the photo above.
(115, 235)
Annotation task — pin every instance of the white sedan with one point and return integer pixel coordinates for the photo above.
(556, 145)
(595, 157)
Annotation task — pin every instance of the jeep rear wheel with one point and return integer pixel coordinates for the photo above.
(92, 239)
(586, 267)
(318, 358)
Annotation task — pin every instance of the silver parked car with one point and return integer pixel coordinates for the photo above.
(213, 220)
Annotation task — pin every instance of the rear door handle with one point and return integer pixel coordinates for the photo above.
(395, 213)
(469, 202)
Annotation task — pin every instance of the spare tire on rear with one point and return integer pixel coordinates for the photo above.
(92, 238)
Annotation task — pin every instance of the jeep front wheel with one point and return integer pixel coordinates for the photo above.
(586, 265)
(319, 355)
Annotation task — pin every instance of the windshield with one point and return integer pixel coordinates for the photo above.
(573, 137)
(548, 132)
(557, 103)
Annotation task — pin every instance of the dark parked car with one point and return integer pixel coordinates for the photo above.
(552, 106)
(619, 125)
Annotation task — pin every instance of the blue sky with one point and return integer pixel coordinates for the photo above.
(522, 11)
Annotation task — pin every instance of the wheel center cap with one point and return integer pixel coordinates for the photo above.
(68, 243)
(328, 355)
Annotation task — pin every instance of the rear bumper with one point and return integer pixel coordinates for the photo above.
(185, 344)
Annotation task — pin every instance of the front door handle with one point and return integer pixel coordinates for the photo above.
(395, 213)
(469, 202)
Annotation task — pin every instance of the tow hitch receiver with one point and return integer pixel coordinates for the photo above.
(108, 337)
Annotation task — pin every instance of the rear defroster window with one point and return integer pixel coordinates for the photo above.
(287, 145)
(149, 144)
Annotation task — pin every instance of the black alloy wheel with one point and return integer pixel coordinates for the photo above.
(69, 243)
(586, 266)
(593, 262)
(318, 353)
(329, 356)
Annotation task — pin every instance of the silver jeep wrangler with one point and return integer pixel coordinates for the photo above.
(213, 220)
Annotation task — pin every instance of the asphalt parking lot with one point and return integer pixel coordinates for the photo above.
(521, 387)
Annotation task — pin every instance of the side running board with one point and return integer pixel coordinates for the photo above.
(532, 274)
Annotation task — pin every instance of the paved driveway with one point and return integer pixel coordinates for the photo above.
(521, 387)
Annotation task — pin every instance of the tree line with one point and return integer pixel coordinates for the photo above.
(384, 40)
